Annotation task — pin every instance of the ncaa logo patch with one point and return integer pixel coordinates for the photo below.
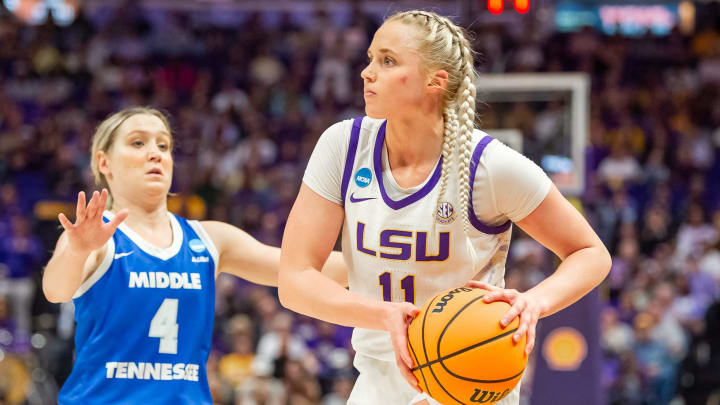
(196, 245)
(363, 177)
(445, 213)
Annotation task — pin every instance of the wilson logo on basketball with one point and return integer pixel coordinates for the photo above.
(482, 396)
(440, 305)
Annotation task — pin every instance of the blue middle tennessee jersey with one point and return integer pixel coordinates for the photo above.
(145, 320)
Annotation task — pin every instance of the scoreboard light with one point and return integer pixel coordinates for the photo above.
(497, 6)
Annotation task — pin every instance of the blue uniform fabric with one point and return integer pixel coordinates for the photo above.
(117, 359)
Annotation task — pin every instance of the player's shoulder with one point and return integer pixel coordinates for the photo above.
(478, 135)
(370, 124)
(364, 129)
(336, 134)
(485, 145)
(492, 155)
(482, 144)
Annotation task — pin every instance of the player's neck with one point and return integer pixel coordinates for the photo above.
(414, 142)
(145, 219)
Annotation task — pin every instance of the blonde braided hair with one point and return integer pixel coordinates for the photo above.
(443, 45)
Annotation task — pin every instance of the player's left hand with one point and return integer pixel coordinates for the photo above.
(396, 321)
(523, 305)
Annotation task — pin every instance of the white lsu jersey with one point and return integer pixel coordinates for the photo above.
(397, 247)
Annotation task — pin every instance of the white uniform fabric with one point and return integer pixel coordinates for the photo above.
(380, 382)
(395, 247)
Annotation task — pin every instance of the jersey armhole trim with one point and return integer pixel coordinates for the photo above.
(198, 228)
(350, 159)
(474, 163)
(100, 271)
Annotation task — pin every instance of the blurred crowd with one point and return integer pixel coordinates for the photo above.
(247, 103)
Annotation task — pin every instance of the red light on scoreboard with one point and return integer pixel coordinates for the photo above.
(522, 6)
(496, 6)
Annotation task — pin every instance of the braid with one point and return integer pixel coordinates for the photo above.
(466, 103)
(467, 124)
(448, 148)
(444, 46)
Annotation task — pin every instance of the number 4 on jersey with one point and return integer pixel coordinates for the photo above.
(164, 326)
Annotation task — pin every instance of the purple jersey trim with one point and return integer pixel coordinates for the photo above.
(350, 159)
(396, 205)
(474, 162)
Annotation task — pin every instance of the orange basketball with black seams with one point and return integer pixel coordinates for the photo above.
(462, 354)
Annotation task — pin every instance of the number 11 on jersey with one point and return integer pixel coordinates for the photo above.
(407, 284)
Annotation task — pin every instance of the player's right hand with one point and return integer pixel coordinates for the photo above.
(397, 319)
(90, 232)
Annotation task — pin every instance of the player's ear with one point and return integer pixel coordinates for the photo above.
(103, 163)
(438, 81)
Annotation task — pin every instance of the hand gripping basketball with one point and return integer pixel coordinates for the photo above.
(396, 322)
(523, 305)
(90, 232)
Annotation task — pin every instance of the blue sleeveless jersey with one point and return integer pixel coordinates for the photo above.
(145, 321)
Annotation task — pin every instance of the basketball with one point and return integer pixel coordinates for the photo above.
(461, 352)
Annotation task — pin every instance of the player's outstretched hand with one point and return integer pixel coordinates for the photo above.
(396, 322)
(523, 305)
(90, 232)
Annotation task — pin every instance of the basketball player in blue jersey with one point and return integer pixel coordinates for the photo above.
(426, 203)
(142, 279)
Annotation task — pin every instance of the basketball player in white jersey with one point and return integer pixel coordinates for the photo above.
(426, 203)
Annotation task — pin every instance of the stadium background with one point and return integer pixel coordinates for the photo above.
(251, 85)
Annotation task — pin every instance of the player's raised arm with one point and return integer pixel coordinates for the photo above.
(79, 249)
(244, 256)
